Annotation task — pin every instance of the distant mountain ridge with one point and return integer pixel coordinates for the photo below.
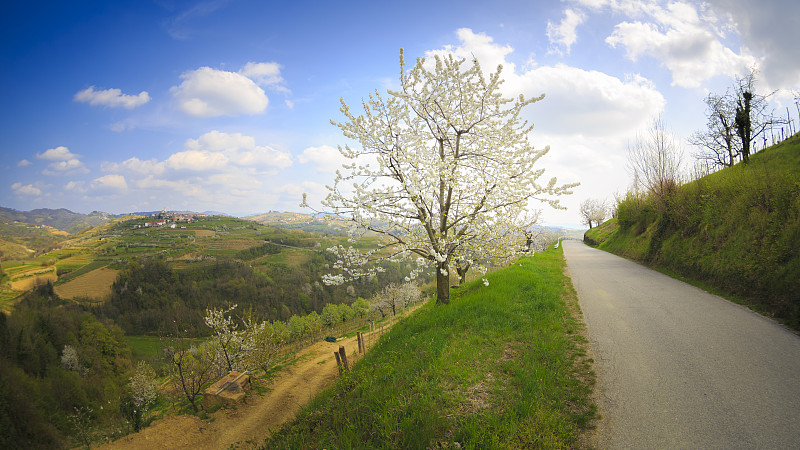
(62, 219)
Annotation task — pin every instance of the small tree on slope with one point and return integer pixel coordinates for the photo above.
(441, 161)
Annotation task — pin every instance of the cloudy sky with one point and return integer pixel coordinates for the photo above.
(226, 105)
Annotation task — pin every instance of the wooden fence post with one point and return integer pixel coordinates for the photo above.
(360, 342)
(343, 355)
(338, 362)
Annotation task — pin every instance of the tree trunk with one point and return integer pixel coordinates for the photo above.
(462, 273)
(442, 284)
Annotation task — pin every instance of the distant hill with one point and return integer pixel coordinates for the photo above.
(737, 230)
(62, 219)
(299, 221)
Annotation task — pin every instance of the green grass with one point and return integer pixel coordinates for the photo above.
(500, 367)
(736, 230)
(145, 347)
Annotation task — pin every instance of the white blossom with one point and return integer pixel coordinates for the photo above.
(454, 170)
(143, 386)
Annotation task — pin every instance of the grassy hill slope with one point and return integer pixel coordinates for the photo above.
(737, 229)
(500, 367)
(62, 219)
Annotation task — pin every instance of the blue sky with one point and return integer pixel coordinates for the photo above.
(226, 105)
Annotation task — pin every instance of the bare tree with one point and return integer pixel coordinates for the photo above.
(189, 366)
(736, 120)
(593, 211)
(718, 143)
(654, 161)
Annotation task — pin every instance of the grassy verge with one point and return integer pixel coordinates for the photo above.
(500, 367)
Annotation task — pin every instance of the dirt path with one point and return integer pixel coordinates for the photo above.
(247, 425)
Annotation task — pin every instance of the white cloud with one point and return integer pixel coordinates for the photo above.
(585, 118)
(63, 166)
(265, 74)
(63, 161)
(197, 161)
(687, 48)
(208, 92)
(577, 101)
(59, 153)
(479, 46)
(292, 194)
(218, 170)
(770, 29)
(589, 102)
(325, 158)
(111, 182)
(135, 165)
(113, 98)
(564, 35)
(686, 38)
(75, 186)
(239, 150)
(24, 163)
(25, 189)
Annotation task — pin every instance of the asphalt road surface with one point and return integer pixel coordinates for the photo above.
(680, 368)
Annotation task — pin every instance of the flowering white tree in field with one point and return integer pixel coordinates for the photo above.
(449, 159)
(226, 344)
(593, 211)
(143, 390)
(395, 297)
(500, 241)
(70, 360)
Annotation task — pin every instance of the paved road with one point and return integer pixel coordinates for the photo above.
(680, 368)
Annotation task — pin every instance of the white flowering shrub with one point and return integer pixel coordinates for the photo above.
(142, 393)
(70, 360)
(227, 345)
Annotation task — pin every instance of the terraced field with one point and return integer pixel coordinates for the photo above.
(28, 276)
(95, 285)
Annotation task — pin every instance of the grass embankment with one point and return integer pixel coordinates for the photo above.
(737, 230)
(500, 367)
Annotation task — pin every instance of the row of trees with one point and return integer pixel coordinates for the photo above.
(243, 343)
(149, 295)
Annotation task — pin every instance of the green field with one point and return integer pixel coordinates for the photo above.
(150, 348)
(500, 367)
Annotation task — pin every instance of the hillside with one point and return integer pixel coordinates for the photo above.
(501, 366)
(62, 219)
(144, 272)
(299, 221)
(737, 230)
